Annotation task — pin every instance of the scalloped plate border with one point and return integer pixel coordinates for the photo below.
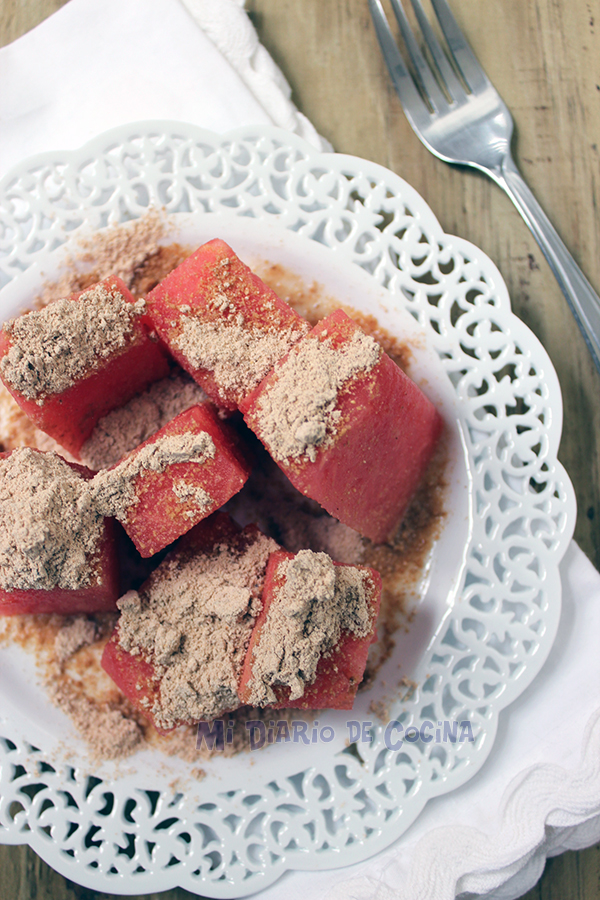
(509, 414)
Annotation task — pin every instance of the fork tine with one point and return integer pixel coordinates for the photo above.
(447, 73)
(465, 59)
(425, 77)
(414, 106)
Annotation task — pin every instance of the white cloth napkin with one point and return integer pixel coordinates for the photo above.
(92, 66)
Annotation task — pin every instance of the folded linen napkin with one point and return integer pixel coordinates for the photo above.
(94, 66)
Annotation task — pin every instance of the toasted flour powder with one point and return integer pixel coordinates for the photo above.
(125, 428)
(239, 354)
(192, 620)
(223, 340)
(52, 348)
(113, 491)
(200, 498)
(316, 603)
(297, 413)
(50, 530)
(76, 632)
(110, 734)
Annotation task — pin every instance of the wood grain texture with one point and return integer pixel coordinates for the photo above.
(544, 57)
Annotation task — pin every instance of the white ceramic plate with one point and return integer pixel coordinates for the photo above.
(489, 599)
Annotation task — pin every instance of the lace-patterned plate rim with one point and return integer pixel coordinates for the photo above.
(490, 597)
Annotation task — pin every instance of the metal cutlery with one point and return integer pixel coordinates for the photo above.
(457, 113)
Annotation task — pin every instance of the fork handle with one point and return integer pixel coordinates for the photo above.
(580, 295)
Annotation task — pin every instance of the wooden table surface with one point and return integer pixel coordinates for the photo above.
(544, 56)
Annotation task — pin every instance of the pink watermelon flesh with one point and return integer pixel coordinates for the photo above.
(384, 440)
(213, 287)
(70, 417)
(135, 675)
(100, 596)
(339, 674)
(160, 516)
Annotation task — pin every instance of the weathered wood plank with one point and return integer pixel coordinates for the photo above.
(19, 16)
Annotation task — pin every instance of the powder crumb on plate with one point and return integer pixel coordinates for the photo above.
(77, 632)
(380, 709)
(409, 686)
(108, 733)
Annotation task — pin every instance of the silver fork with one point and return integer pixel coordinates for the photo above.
(464, 120)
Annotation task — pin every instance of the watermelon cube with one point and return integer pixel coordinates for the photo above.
(134, 676)
(179, 476)
(75, 360)
(318, 662)
(57, 554)
(347, 426)
(222, 323)
(178, 649)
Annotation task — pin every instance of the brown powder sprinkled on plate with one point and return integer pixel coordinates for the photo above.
(49, 529)
(317, 602)
(54, 347)
(130, 251)
(297, 412)
(123, 249)
(77, 632)
(110, 733)
(193, 621)
(124, 429)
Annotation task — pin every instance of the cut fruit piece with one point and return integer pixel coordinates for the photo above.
(57, 554)
(178, 649)
(222, 323)
(100, 596)
(310, 642)
(347, 426)
(75, 360)
(134, 676)
(176, 478)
